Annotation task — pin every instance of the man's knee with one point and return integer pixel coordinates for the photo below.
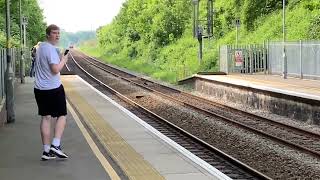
(46, 118)
(61, 118)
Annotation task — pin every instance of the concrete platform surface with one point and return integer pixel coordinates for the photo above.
(21, 147)
(139, 149)
(131, 143)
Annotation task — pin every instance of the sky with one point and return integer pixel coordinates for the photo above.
(80, 15)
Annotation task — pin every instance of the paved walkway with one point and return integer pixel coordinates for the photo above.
(21, 147)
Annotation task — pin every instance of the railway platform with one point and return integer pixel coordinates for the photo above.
(292, 97)
(103, 141)
(304, 88)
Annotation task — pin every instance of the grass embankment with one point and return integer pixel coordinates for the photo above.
(179, 59)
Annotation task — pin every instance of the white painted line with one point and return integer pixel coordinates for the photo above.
(210, 169)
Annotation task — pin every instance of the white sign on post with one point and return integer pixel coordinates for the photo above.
(238, 58)
(237, 22)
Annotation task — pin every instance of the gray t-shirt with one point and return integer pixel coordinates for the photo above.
(45, 79)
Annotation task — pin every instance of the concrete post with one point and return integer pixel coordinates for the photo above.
(22, 74)
(301, 71)
(285, 68)
(9, 72)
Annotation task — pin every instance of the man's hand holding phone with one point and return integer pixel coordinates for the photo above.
(66, 52)
(65, 56)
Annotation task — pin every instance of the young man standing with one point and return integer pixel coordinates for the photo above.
(49, 93)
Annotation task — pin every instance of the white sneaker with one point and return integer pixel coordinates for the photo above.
(58, 152)
(47, 156)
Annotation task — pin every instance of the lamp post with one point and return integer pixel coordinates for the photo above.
(237, 31)
(210, 12)
(197, 29)
(195, 17)
(22, 73)
(24, 27)
(9, 71)
(199, 36)
(285, 68)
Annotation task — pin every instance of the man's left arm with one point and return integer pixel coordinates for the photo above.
(56, 68)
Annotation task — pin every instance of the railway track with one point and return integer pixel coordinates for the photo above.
(223, 162)
(291, 137)
(297, 138)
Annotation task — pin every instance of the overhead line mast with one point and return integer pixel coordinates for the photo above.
(200, 25)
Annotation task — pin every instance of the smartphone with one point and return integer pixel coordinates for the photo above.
(66, 52)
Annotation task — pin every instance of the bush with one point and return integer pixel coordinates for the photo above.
(155, 37)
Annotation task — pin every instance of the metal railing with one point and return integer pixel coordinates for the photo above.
(3, 67)
(303, 58)
(15, 57)
(243, 59)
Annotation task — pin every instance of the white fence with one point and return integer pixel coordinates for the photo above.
(15, 57)
(243, 59)
(303, 59)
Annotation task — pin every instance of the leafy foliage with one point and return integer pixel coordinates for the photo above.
(314, 32)
(157, 34)
(35, 28)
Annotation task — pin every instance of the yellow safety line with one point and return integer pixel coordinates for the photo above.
(131, 162)
(104, 162)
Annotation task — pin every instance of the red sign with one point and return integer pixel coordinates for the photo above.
(238, 58)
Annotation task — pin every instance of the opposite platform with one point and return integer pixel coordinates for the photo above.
(293, 98)
(304, 88)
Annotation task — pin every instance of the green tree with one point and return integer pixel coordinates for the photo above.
(159, 32)
(36, 25)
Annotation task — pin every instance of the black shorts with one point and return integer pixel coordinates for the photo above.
(51, 102)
